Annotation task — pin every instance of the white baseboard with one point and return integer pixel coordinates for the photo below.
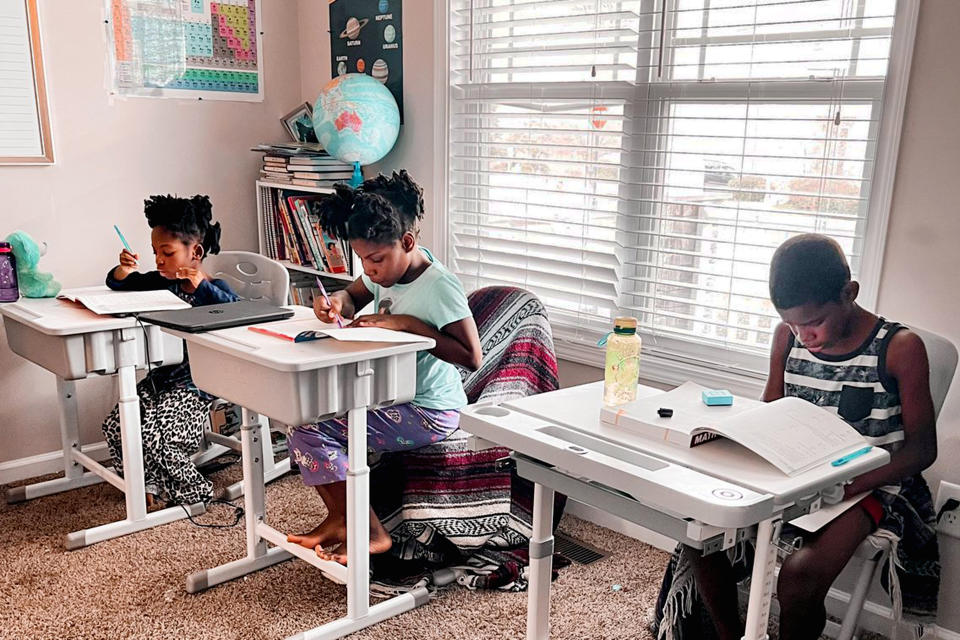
(44, 463)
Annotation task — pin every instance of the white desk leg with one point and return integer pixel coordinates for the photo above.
(761, 580)
(541, 564)
(132, 444)
(254, 506)
(358, 496)
(73, 474)
(272, 469)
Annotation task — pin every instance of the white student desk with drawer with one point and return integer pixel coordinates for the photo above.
(708, 497)
(299, 383)
(75, 343)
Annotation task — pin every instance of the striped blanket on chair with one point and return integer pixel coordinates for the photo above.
(448, 507)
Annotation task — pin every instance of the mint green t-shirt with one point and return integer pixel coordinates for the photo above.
(437, 298)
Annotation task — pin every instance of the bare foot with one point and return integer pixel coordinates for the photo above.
(380, 542)
(328, 533)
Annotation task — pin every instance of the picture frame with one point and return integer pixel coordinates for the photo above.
(299, 124)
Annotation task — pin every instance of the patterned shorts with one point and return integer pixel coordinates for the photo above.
(320, 450)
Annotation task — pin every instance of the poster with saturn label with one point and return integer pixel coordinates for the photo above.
(366, 36)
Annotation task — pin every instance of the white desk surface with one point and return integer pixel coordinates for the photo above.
(61, 317)
(282, 355)
(579, 408)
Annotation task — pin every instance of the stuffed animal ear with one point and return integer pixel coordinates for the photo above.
(25, 249)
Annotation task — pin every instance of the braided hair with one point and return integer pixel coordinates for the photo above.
(190, 219)
(381, 210)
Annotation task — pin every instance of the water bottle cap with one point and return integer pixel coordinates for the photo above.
(625, 323)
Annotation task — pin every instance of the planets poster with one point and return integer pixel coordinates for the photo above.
(366, 36)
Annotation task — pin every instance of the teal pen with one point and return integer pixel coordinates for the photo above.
(323, 292)
(850, 456)
(126, 244)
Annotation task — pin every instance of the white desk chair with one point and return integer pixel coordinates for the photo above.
(942, 355)
(253, 277)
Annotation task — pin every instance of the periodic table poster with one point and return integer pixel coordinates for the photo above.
(202, 49)
(366, 36)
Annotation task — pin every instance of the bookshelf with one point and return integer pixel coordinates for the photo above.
(266, 212)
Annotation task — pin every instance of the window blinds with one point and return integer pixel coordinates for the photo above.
(646, 157)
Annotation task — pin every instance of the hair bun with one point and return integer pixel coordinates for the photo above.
(336, 209)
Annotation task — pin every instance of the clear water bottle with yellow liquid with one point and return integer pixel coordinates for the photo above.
(622, 368)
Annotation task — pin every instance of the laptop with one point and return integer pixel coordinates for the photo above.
(217, 316)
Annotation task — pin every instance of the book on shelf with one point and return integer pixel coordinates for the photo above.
(318, 184)
(334, 176)
(106, 302)
(792, 434)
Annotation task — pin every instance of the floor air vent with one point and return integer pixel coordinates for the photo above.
(579, 552)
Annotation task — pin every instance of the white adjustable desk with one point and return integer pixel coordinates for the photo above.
(708, 497)
(74, 343)
(298, 383)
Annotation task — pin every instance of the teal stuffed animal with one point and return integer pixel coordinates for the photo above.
(33, 284)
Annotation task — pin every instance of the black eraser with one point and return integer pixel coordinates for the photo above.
(664, 412)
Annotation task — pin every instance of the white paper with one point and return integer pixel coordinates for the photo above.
(815, 521)
(371, 334)
(105, 302)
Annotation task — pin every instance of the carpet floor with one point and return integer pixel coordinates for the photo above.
(133, 586)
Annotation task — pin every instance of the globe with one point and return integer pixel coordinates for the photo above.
(356, 119)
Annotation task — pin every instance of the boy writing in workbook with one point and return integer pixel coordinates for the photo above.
(173, 411)
(413, 292)
(874, 374)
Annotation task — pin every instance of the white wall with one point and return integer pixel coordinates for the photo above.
(111, 154)
(414, 148)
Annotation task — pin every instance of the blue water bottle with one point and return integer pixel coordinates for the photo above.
(9, 290)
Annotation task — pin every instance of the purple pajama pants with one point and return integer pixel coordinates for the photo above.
(320, 449)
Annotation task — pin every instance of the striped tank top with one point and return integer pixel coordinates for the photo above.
(855, 385)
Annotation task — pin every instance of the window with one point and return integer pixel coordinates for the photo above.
(646, 157)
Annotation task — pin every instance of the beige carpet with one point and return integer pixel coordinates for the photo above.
(133, 587)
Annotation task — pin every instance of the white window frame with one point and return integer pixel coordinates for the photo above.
(743, 373)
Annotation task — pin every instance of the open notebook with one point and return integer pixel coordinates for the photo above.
(792, 434)
(103, 301)
(312, 329)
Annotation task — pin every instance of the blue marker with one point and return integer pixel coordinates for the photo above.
(850, 456)
(122, 239)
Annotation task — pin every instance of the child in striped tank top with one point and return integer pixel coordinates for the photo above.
(874, 374)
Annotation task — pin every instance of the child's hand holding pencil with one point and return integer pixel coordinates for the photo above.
(129, 261)
(326, 308)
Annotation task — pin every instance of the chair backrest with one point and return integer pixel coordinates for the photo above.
(251, 275)
(942, 355)
(518, 355)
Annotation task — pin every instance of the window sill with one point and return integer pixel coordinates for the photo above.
(657, 367)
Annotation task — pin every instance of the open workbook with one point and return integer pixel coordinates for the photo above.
(103, 301)
(312, 329)
(792, 434)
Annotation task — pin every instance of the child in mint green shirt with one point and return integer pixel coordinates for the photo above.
(413, 292)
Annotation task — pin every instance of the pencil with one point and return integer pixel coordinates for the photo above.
(126, 244)
(323, 292)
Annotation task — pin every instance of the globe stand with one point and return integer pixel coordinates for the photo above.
(357, 179)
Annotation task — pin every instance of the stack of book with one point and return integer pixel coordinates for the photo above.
(294, 233)
(302, 165)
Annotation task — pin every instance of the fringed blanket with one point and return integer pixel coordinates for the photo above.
(911, 576)
(448, 507)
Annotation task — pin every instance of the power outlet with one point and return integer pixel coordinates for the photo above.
(950, 522)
